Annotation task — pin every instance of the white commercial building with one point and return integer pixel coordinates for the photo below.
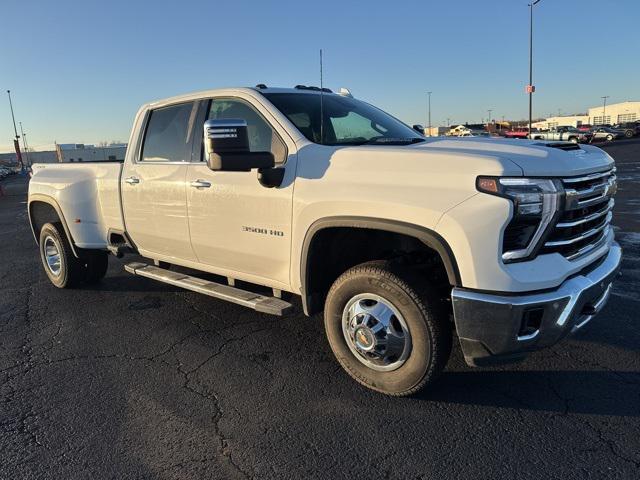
(604, 115)
(615, 113)
(563, 121)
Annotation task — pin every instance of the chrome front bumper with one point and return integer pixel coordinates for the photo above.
(497, 328)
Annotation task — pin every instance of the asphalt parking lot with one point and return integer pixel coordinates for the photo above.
(136, 379)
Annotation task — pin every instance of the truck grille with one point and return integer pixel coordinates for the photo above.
(584, 222)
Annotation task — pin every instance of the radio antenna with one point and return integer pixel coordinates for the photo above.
(321, 103)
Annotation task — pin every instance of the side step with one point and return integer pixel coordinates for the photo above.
(260, 303)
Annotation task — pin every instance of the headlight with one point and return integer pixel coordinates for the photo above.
(536, 202)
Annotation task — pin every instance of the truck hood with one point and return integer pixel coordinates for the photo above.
(534, 157)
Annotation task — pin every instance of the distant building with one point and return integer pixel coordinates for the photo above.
(435, 131)
(79, 152)
(610, 115)
(29, 157)
(562, 121)
(615, 113)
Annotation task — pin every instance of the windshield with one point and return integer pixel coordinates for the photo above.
(347, 121)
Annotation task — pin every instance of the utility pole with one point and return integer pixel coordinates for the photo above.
(489, 121)
(16, 142)
(604, 106)
(530, 87)
(429, 109)
(24, 144)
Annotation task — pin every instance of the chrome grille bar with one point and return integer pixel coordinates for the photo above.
(587, 234)
(583, 198)
(588, 218)
(592, 176)
(588, 209)
(592, 246)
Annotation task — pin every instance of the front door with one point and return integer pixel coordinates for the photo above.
(238, 226)
(153, 184)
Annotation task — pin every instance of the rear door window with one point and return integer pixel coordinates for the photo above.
(169, 133)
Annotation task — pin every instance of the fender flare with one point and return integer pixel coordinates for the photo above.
(38, 197)
(427, 236)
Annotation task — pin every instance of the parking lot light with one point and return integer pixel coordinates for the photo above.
(530, 87)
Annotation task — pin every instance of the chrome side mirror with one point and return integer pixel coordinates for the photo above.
(226, 147)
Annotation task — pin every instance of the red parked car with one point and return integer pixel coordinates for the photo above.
(519, 132)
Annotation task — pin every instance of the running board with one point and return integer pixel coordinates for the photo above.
(260, 303)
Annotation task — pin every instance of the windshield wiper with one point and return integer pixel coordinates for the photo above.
(380, 141)
(393, 141)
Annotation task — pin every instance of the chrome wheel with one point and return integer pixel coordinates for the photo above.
(51, 252)
(376, 332)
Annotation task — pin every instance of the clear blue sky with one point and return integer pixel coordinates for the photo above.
(78, 70)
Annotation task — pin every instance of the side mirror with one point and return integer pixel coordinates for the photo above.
(419, 128)
(226, 146)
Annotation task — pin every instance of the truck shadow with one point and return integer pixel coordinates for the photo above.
(556, 392)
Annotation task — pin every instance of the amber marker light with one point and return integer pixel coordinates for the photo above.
(489, 185)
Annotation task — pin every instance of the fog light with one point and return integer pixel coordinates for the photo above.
(531, 322)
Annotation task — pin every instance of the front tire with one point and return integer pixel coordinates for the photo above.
(387, 328)
(609, 138)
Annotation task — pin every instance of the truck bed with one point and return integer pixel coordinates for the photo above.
(87, 193)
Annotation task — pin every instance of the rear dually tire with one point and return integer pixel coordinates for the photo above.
(63, 268)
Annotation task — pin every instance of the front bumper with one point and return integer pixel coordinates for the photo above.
(498, 328)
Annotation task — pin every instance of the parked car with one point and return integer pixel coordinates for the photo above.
(606, 133)
(629, 130)
(475, 133)
(519, 132)
(569, 134)
(399, 240)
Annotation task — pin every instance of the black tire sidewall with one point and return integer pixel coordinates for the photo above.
(63, 279)
(420, 361)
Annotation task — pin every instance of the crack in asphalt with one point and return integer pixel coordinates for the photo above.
(224, 447)
(611, 444)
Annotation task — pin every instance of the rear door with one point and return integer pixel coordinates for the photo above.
(153, 183)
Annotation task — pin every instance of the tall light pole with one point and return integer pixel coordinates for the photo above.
(24, 144)
(489, 121)
(530, 87)
(604, 106)
(429, 111)
(16, 142)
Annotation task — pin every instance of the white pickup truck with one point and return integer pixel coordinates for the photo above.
(401, 240)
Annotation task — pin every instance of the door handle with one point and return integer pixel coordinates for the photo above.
(132, 180)
(200, 184)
